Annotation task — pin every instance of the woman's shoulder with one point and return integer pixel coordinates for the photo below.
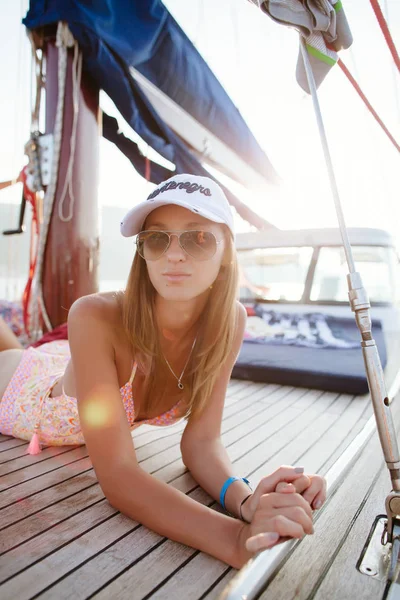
(104, 307)
(241, 314)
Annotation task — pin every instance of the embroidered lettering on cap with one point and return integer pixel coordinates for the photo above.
(188, 186)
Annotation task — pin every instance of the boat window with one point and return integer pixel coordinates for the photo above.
(274, 273)
(372, 262)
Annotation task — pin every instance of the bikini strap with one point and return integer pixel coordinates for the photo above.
(132, 377)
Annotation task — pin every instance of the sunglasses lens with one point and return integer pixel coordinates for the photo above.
(201, 245)
(151, 245)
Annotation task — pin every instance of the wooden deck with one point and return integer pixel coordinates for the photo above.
(59, 538)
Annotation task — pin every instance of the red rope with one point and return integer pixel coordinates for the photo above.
(367, 103)
(385, 30)
(30, 198)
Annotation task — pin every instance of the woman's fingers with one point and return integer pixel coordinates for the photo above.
(281, 525)
(283, 474)
(299, 485)
(261, 541)
(300, 517)
(315, 494)
(285, 488)
(275, 501)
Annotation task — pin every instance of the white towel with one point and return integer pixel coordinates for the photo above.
(321, 23)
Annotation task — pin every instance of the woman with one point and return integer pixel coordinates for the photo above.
(162, 350)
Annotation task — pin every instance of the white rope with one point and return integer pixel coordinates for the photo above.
(68, 187)
(328, 158)
(64, 40)
(37, 73)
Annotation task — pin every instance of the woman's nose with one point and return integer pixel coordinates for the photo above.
(175, 252)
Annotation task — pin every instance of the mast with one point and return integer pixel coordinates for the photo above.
(71, 257)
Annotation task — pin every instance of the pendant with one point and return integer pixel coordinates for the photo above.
(180, 385)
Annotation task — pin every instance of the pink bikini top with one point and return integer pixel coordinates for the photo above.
(168, 418)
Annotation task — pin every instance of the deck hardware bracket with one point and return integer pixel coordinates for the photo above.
(375, 558)
(39, 150)
(392, 504)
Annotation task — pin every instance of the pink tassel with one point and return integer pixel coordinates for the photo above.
(34, 445)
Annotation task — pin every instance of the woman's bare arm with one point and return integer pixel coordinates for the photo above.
(108, 438)
(202, 449)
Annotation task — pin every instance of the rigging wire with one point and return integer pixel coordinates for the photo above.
(386, 33)
(367, 103)
(328, 159)
(394, 72)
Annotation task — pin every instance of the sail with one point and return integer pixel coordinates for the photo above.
(120, 39)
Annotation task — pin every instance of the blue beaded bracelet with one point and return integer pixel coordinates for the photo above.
(225, 487)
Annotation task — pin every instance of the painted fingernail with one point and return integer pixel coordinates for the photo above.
(299, 469)
(318, 504)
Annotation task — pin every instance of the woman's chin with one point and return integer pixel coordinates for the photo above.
(178, 293)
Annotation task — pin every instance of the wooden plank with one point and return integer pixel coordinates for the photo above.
(95, 566)
(122, 538)
(27, 528)
(37, 484)
(348, 439)
(21, 558)
(28, 505)
(49, 570)
(320, 453)
(214, 592)
(10, 457)
(343, 580)
(38, 468)
(176, 584)
(274, 437)
(227, 425)
(299, 402)
(38, 499)
(337, 407)
(256, 438)
(193, 580)
(304, 571)
(40, 521)
(27, 460)
(12, 443)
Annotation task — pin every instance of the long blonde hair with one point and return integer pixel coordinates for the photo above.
(216, 330)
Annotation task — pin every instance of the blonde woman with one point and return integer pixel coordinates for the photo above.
(161, 351)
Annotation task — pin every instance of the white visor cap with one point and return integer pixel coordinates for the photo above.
(201, 195)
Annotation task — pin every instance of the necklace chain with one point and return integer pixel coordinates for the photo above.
(180, 384)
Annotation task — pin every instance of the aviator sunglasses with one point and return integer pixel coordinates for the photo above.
(199, 244)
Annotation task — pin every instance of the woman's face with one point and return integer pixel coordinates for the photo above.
(176, 275)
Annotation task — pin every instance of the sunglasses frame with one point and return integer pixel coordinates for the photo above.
(178, 234)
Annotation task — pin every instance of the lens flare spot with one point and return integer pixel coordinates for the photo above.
(96, 413)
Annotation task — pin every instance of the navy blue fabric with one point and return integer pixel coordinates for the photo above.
(329, 369)
(131, 150)
(185, 162)
(118, 34)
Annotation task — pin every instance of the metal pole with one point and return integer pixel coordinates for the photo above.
(360, 305)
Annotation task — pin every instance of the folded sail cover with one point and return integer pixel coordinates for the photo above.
(115, 36)
(323, 25)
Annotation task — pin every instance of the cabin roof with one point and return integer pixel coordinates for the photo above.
(277, 238)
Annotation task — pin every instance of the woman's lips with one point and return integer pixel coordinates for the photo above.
(176, 277)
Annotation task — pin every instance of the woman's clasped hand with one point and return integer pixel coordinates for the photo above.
(281, 507)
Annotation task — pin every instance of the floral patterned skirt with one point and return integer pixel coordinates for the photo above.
(27, 404)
